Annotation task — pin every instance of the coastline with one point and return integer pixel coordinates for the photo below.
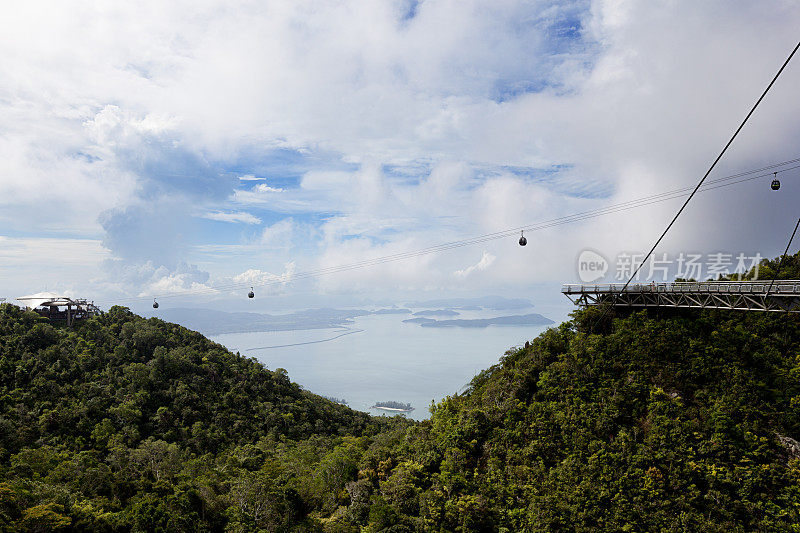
(397, 409)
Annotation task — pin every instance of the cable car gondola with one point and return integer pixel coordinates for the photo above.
(522, 240)
(776, 184)
(251, 294)
(155, 304)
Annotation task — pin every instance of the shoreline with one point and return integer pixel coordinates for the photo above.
(393, 409)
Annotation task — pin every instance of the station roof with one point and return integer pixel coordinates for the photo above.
(39, 299)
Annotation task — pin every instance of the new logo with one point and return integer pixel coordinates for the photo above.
(591, 266)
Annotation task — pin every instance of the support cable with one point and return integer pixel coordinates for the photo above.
(703, 179)
(780, 263)
(567, 219)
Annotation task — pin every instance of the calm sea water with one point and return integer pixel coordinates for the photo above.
(386, 360)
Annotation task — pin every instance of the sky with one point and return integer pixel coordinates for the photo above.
(161, 149)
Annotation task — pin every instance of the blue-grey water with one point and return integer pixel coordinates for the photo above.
(379, 358)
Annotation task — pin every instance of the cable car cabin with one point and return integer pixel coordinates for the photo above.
(251, 294)
(58, 308)
(522, 240)
(776, 184)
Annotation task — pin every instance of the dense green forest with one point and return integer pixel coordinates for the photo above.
(674, 421)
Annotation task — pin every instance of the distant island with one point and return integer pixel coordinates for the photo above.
(393, 406)
(420, 320)
(498, 303)
(437, 312)
(532, 319)
(214, 322)
(392, 311)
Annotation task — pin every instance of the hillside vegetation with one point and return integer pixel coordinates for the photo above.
(679, 421)
(125, 423)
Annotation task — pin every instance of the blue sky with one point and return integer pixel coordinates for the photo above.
(152, 149)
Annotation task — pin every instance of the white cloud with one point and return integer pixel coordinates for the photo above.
(50, 181)
(175, 284)
(29, 265)
(47, 251)
(268, 280)
(235, 216)
(146, 279)
(263, 187)
(486, 261)
(279, 235)
(120, 111)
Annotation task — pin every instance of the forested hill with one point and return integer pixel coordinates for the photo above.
(669, 421)
(682, 423)
(142, 378)
(125, 422)
(655, 421)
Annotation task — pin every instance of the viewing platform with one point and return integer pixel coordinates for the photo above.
(778, 296)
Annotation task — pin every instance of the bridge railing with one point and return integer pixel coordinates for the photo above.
(779, 287)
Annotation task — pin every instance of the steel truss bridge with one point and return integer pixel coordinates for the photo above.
(778, 296)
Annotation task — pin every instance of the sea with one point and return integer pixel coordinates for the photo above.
(381, 358)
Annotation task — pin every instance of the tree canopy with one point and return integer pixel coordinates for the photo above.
(679, 420)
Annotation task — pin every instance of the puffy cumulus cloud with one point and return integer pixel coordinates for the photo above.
(486, 261)
(175, 282)
(263, 187)
(148, 231)
(279, 235)
(116, 119)
(49, 180)
(346, 191)
(366, 79)
(388, 247)
(642, 118)
(268, 280)
(116, 128)
(240, 217)
(356, 265)
(146, 278)
(399, 240)
(152, 146)
(362, 79)
(504, 82)
(157, 225)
